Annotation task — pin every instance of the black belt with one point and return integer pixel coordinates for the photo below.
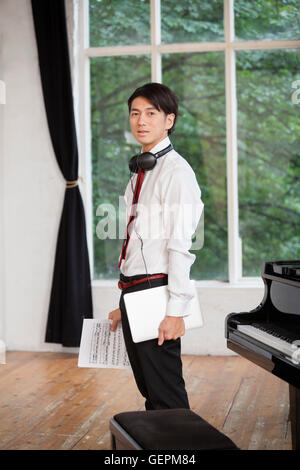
(125, 285)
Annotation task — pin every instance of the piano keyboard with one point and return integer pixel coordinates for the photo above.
(292, 351)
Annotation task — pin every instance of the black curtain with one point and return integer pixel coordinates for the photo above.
(71, 296)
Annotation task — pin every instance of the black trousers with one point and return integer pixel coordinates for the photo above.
(157, 369)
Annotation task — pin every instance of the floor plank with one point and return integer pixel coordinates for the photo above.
(47, 402)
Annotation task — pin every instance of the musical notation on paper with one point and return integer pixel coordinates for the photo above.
(100, 347)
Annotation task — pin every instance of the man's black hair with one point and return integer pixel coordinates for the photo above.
(160, 96)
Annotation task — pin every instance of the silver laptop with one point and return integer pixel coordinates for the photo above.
(147, 308)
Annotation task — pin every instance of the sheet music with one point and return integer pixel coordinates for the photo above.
(100, 347)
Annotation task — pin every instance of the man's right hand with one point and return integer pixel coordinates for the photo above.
(115, 316)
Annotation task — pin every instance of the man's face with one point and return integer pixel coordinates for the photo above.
(148, 125)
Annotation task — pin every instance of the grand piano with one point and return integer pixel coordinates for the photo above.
(269, 335)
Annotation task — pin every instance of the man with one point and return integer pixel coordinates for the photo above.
(156, 364)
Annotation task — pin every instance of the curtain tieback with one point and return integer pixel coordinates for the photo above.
(72, 184)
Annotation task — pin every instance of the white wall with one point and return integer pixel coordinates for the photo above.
(2, 103)
(33, 190)
(32, 184)
(217, 300)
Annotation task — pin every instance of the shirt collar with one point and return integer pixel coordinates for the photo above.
(161, 145)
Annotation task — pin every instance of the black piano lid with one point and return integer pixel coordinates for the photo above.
(284, 269)
(284, 287)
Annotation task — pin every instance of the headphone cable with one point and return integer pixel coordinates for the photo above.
(139, 235)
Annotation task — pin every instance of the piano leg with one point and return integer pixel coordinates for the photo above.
(295, 416)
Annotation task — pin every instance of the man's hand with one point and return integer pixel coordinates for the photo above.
(115, 316)
(170, 328)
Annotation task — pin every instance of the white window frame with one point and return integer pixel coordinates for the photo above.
(155, 50)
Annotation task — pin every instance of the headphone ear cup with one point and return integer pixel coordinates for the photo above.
(133, 167)
(146, 161)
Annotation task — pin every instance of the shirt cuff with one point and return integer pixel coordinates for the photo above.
(177, 307)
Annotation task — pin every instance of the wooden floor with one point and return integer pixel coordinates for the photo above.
(47, 402)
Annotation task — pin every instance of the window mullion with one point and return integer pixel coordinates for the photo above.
(234, 243)
(156, 72)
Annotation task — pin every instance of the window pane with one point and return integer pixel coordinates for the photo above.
(200, 137)
(112, 148)
(119, 22)
(272, 19)
(269, 158)
(191, 21)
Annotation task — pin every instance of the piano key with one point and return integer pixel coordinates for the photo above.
(269, 339)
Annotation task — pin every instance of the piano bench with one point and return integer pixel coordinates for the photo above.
(165, 429)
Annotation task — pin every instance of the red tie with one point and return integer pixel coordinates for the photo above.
(135, 199)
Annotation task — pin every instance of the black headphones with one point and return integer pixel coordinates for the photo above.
(146, 160)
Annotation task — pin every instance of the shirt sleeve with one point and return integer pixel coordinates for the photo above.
(182, 208)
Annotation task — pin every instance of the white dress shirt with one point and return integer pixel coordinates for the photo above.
(167, 214)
